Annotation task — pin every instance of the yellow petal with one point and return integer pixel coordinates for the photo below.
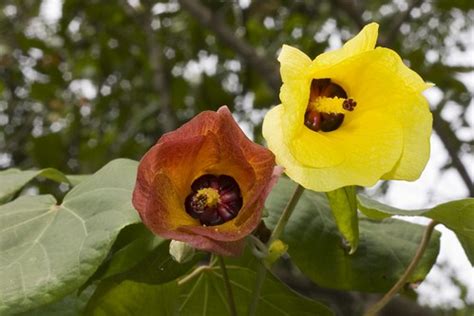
(376, 78)
(380, 80)
(314, 149)
(294, 97)
(417, 125)
(294, 93)
(362, 42)
(372, 143)
(293, 63)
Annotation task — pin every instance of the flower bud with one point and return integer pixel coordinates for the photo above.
(277, 249)
(181, 251)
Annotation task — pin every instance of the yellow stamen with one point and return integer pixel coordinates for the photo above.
(211, 195)
(328, 105)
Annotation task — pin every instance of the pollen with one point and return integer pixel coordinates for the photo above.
(327, 105)
(210, 196)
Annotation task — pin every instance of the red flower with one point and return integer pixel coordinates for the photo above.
(205, 184)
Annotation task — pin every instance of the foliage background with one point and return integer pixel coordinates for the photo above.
(83, 82)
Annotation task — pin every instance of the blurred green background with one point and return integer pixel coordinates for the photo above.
(84, 82)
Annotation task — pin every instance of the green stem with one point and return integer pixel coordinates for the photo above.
(404, 278)
(228, 287)
(260, 278)
(277, 231)
(285, 216)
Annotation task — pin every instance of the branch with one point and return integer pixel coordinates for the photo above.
(143, 16)
(398, 21)
(352, 10)
(445, 133)
(159, 79)
(247, 53)
(425, 240)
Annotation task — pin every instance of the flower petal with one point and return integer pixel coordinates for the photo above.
(380, 80)
(417, 125)
(372, 143)
(293, 63)
(311, 149)
(362, 42)
(374, 79)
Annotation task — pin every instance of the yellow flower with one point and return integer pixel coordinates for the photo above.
(349, 117)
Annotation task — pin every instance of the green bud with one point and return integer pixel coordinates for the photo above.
(277, 249)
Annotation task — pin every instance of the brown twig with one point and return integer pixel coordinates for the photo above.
(446, 136)
(246, 52)
(425, 240)
(352, 10)
(399, 19)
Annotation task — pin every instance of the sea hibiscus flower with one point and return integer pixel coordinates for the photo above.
(205, 184)
(349, 117)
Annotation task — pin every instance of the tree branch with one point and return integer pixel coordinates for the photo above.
(247, 53)
(352, 10)
(398, 21)
(446, 135)
(159, 81)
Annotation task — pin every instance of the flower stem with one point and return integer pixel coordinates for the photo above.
(228, 288)
(277, 231)
(260, 278)
(285, 216)
(403, 279)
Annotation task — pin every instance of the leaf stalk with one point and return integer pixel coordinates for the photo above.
(277, 231)
(228, 287)
(374, 309)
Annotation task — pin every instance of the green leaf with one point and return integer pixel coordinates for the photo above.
(75, 179)
(12, 180)
(343, 204)
(315, 246)
(139, 255)
(456, 215)
(133, 298)
(70, 305)
(131, 254)
(49, 250)
(157, 267)
(206, 295)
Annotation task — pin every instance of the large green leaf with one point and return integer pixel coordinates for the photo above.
(456, 215)
(316, 247)
(343, 204)
(48, 250)
(203, 295)
(139, 255)
(70, 305)
(206, 295)
(133, 298)
(12, 180)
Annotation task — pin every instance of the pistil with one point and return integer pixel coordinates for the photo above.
(214, 200)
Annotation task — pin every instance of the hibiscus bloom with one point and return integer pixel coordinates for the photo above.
(349, 117)
(205, 184)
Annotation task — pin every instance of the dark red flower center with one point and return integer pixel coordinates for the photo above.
(214, 200)
(317, 120)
